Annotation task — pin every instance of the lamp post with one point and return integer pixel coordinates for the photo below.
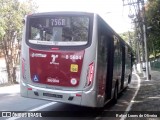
(145, 43)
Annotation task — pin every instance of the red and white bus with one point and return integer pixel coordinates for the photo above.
(73, 57)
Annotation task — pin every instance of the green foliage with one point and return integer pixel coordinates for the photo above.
(125, 36)
(129, 38)
(153, 21)
(12, 14)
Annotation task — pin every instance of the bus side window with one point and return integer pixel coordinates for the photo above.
(116, 41)
(117, 46)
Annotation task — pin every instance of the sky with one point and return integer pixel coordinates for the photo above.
(112, 11)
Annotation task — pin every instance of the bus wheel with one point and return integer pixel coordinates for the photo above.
(115, 97)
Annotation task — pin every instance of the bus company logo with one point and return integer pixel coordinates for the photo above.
(52, 80)
(38, 55)
(54, 57)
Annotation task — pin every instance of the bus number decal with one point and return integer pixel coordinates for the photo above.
(74, 57)
(74, 68)
(58, 22)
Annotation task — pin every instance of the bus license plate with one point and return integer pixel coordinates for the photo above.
(52, 95)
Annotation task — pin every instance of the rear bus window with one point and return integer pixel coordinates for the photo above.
(60, 31)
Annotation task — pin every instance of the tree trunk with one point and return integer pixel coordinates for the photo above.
(10, 80)
(14, 75)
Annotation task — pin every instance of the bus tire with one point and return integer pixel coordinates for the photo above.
(115, 97)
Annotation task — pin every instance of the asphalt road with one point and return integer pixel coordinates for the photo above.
(10, 100)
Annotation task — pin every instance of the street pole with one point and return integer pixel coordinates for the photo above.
(143, 33)
(145, 42)
(140, 19)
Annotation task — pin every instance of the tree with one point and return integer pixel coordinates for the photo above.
(12, 13)
(129, 37)
(153, 22)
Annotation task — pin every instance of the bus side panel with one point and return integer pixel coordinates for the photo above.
(109, 79)
(116, 64)
(127, 67)
(23, 87)
(123, 66)
(24, 67)
(89, 97)
(25, 71)
(102, 61)
(131, 60)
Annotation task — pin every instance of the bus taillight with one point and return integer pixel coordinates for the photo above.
(90, 73)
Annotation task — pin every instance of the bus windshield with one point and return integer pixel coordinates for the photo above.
(59, 30)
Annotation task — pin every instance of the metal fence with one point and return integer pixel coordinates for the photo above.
(155, 65)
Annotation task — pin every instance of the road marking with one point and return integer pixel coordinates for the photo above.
(131, 103)
(43, 106)
(35, 109)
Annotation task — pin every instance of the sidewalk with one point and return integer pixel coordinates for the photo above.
(148, 96)
(10, 89)
(3, 72)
